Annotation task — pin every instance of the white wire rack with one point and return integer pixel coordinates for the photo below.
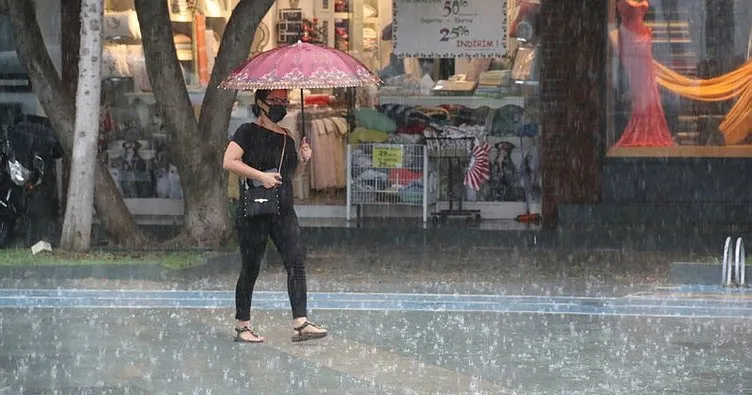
(389, 174)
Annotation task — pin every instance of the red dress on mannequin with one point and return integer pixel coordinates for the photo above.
(647, 127)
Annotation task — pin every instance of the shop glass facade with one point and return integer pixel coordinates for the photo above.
(476, 115)
(680, 77)
(464, 107)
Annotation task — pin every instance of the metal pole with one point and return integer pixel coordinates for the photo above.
(349, 182)
(726, 269)
(739, 262)
(302, 115)
(425, 184)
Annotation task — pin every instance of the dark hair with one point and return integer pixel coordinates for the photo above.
(260, 95)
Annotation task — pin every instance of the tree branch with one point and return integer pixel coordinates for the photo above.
(198, 146)
(205, 218)
(234, 48)
(167, 81)
(58, 104)
(52, 94)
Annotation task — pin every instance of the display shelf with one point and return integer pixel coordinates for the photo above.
(191, 52)
(356, 22)
(491, 210)
(679, 151)
(467, 101)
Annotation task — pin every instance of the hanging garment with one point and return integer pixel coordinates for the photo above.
(737, 125)
(324, 138)
(647, 127)
(340, 162)
(330, 138)
(318, 159)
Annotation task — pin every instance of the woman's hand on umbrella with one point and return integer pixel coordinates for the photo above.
(305, 150)
(270, 180)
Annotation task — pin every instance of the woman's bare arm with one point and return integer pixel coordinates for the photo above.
(233, 162)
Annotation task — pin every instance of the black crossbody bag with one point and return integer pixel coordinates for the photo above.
(258, 200)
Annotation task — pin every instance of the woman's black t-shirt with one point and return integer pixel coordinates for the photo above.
(262, 149)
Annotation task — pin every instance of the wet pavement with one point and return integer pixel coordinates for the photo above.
(475, 322)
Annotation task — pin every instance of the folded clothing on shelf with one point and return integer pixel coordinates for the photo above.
(363, 135)
(183, 46)
(121, 24)
(405, 116)
(403, 177)
(412, 193)
(494, 77)
(371, 118)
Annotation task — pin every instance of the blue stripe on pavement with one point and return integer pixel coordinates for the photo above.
(734, 304)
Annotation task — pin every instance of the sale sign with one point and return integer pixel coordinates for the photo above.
(450, 28)
(388, 156)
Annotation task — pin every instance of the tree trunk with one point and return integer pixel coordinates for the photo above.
(199, 146)
(70, 41)
(58, 105)
(216, 107)
(234, 49)
(76, 235)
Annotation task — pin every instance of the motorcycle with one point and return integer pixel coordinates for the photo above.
(27, 152)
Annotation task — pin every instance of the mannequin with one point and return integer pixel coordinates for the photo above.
(647, 126)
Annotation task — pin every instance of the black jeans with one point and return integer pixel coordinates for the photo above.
(253, 236)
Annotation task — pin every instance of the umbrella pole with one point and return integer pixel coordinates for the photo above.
(302, 115)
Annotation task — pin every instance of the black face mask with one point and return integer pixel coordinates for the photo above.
(276, 112)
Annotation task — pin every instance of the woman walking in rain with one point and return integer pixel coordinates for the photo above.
(263, 153)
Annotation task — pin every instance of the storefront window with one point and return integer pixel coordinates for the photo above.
(461, 81)
(352, 26)
(460, 78)
(133, 139)
(16, 95)
(680, 78)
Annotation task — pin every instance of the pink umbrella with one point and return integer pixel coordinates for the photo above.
(300, 66)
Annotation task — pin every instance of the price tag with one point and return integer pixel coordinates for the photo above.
(388, 156)
(450, 28)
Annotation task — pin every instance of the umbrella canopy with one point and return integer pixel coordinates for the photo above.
(300, 66)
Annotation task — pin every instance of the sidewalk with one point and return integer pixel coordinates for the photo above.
(402, 321)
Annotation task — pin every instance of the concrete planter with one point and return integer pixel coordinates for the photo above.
(695, 273)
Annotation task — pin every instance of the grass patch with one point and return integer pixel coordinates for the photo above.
(170, 260)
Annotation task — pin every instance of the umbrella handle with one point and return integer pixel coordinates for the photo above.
(302, 116)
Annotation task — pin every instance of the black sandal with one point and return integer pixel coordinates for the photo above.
(299, 336)
(240, 330)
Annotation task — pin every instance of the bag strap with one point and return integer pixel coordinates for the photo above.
(284, 148)
(281, 159)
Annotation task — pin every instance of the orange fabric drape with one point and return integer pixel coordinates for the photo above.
(737, 125)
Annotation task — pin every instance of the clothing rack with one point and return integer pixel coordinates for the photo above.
(327, 170)
(312, 114)
(456, 152)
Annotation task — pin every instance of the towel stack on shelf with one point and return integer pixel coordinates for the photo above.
(490, 83)
(183, 46)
